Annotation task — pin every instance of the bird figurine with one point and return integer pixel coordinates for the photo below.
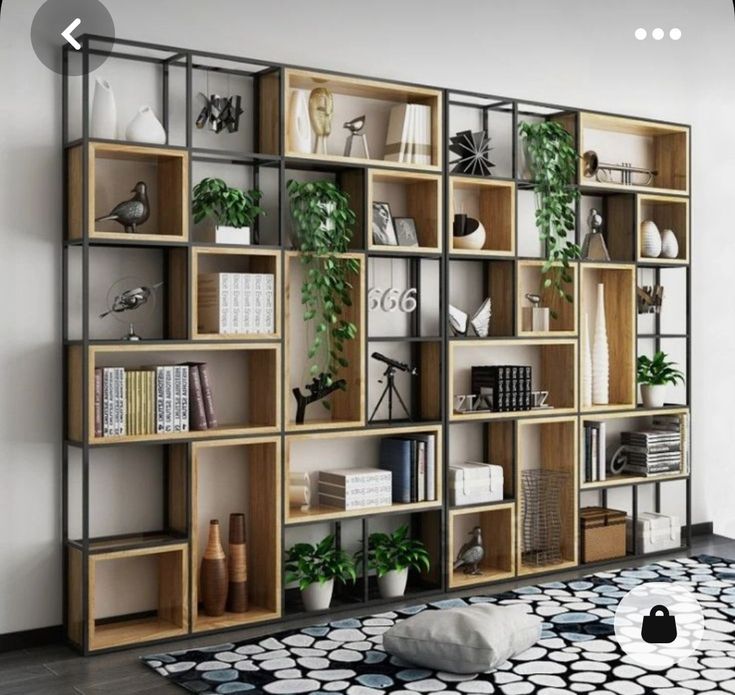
(131, 213)
(471, 554)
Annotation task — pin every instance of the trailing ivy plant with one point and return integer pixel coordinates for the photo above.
(553, 161)
(324, 225)
(308, 564)
(227, 206)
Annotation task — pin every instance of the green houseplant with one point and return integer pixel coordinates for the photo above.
(654, 375)
(552, 159)
(231, 209)
(323, 226)
(315, 568)
(392, 555)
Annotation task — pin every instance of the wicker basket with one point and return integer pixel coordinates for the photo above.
(602, 533)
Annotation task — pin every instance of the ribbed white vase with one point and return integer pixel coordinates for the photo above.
(299, 127)
(600, 357)
(650, 239)
(586, 363)
(669, 244)
(104, 112)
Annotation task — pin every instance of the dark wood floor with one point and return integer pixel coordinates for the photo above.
(57, 670)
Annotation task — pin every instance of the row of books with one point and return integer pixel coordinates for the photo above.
(411, 461)
(594, 459)
(155, 400)
(236, 303)
(502, 388)
(408, 137)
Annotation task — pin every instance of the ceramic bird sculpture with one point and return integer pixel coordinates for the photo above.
(131, 213)
(471, 554)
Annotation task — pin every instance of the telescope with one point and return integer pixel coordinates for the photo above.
(600, 171)
(395, 364)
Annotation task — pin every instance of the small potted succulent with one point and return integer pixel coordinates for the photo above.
(392, 555)
(315, 567)
(231, 210)
(654, 375)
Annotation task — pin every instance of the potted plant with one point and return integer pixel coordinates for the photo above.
(315, 567)
(552, 160)
(654, 375)
(323, 225)
(392, 555)
(231, 210)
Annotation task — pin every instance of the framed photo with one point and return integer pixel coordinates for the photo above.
(406, 231)
(384, 233)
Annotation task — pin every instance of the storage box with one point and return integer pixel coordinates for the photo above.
(602, 533)
(355, 488)
(472, 482)
(654, 532)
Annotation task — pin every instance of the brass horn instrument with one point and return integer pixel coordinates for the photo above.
(602, 171)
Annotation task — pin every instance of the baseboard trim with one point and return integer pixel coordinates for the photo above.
(25, 639)
(703, 528)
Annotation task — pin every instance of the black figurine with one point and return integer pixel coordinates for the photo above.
(131, 213)
(318, 389)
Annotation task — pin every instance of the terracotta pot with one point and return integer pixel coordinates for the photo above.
(393, 584)
(213, 574)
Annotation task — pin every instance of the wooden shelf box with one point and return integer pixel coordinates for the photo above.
(619, 283)
(308, 453)
(251, 408)
(554, 369)
(550, 444)
(562, 314)
(239, 476)
(663, 147)
(347, 408)
(668, 212)
(114, 169)
(161, 600)
(208, 261)
(498, 535)
(352, 97)
(490, 201)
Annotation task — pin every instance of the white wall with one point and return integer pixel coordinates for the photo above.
(580, 53)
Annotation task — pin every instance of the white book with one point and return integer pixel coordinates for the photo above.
(225, 321)
(269, 308)
(395, 140)
(184, 396)
(176, 399)
(421, 471)
(425, 139)
(249, 304)
(601, 452)
(258, 303)
(122, 401)
(168, 383)
(410, 134)
(593, 453)
(108, 406)
(430, 473)
(160, 400)
(237, 308)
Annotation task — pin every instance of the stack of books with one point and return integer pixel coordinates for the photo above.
(652, 452)
(412, 463)
(409, 134)
(156, 400)
(502, 388)
(236, 303)
(594, 459)
(355, 488)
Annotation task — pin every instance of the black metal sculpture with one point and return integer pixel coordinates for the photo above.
(131, 213)
(318, 389)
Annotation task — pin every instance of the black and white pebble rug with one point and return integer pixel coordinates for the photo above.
(577, 652)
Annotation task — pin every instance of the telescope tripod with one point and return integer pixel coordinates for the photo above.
(389, 390)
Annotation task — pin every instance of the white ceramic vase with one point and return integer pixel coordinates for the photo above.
(473, 241)
(586, 363)
(104, 112)
(600, 356)
(653, 396)
(650, 239)
(145, 127)
(393, 584)
(669, 244)
(318, 596)
(299, 128)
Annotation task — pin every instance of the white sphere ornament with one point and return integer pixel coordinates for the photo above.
(145, 127)
(669, 244)
(650, 239)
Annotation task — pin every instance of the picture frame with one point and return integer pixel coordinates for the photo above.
(406, 231)
(384, 232)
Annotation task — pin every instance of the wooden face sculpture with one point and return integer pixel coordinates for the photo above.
(321, 108)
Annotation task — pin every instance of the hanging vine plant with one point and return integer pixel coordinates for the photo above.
(324, 223)
(553, 162)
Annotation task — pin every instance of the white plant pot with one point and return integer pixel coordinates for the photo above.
(145, 127)
(104, 112)
(650, 239)
(224, 234)
(669, 244)
(318, 596)
(393, 584)
(299, 128)
(653, 396)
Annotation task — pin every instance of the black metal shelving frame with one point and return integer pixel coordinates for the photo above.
(170, 58)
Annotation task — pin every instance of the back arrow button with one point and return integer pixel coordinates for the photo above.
(66, 34)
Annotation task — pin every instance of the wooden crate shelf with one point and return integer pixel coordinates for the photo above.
(498, 533)
(490, 201)
(239, 476)
(668, 212)
(114, 168)
(563, 314)
(660, 146)
(619, 281)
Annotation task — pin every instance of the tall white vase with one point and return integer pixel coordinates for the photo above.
(586, 363)
(600, 357)
(145, 127)
(299, 126)
(104, 111)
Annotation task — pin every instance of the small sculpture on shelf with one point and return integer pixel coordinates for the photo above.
(473, 150)
(392, 366)
(321, 110)
(222, 113)
(593, 246)
(318, 389)
(536, 317)
(355, 128)
(650, 298)
(133, 212)
(460, 321)
(471, 554)
(468, 233)
(121, 298)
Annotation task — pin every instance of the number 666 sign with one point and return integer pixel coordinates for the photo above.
(392, 299)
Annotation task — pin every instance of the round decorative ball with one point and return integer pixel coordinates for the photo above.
(650, 239)
(669, 244)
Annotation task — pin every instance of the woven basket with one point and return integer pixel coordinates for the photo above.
(602, 533)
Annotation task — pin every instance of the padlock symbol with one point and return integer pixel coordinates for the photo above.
(658, 626)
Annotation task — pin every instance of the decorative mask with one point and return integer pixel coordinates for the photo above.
(321, 109)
